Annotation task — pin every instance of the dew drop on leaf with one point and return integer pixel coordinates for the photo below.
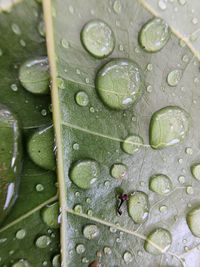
(78, 208)
(50, 215)
(107, 250)
(138, 207)
(189, 151)
(20, 234)
(132, 144)
(181, 179)
(84, 173)
(56, 262)
(163, 209)
(22, 263)
(168, 127)
(39, 188)
(80, 248)
(154, 35)
(34, 75)
(174, 77)
(16, 29)
(82, 99)
(41, 28)
(118, 171)
(195, 170)
(98, 38)
(75, 146)
(162, 240)
(193, 219)
(43, 241)
(128, 257)
(161, 184)
(14, 87)
(91, 231)
(189, 190)
(117, 7)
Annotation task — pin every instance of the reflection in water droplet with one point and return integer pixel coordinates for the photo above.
(154, 35)
(168, 127)
(132, 144)
(98, 38)
(20, 234)
(193, 219)
(118, 170)
(174, 77)
(138, 207)
(43, 241)
(161, 238)
(128, 257)
(82, 99)
(120, 83)
(84, 173)
(80, 248)
(91, 231)
(161, 184)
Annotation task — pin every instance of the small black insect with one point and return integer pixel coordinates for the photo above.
(122, 198)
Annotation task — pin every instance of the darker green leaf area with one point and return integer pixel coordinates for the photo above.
(20, 41)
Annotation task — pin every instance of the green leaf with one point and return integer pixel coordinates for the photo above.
(96, 132)
(20, 41)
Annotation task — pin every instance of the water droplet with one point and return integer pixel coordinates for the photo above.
(118, 171)
(128, 257)
(120, 83)
(65, 43)
(77, 194)
(44, 112)
(71, 9)
(107, 250)
(161, 184)
(41, 28)
(50, 215)
(174, 77)
(82, 99)
(98, 38)
(39, 188)
(149, 67)
(189, 151)
(140, 253)
(34, 75)
(78, 208)
(41, 148)
(21, 234)
(14, 87)
(43, 241)
(16, 29)
(80, 248)
(89, 212)
(56, 262)
(185, 58)
(132, 144)
(182, 2)
(22, 263)
(194, 20)
(154, 35)
(113, 230)
(138, 207)
(84, 173)
(193, 219)
(168, 127)
(149, 88)
(161, 238)
(117, 7)
(162, 5)
(22, 43)
(189, 190)
(107, 183)
(1, 52)
(195, 170)
(181, 179)
(91, 231)
(163, 209)
(88, 200)
(75, 146)
(92, 110)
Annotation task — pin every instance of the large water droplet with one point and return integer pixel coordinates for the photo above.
(50, 215)
(128, 257)
(41, 148)
(43, 241)
(34, 75)
(98, 38)
(118, 171)
(168, 127)
(120, 83)
(162, 240)
(22, 263)
(91, 231)
(195, 170)
(193, 219)
(84, 173)
(82, 99)
(160, 184)
(174, 77)
(138, 207)
(154, 35)
(132, 144)
(20, 234)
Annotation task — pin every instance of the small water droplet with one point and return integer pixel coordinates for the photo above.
(182, 2)
(21, 263)
(149, 88)
(78, 208)
(180, 161)
(75, 146)
(89, 212)
(117, 6)
(162, 4)
(194, 20)
(163, 209)
(107, 250)
(128, 257)
(92, 110)
(16, 29)
(121, 48)
(41, 28)
(56, 262)
(82, 99)
(161, 184)
(118, 171)
(189, 190)
(50, 215)
(189, 151)
(149, 67)
(71, 9)
(22, 43)
(181, 179)
(14, 87)
(80, 248)
(132, 144)
(44, 112)
(185, 58)
(65, 43)
(20, 234)
(174, 77)
(113, 230)
(43, 241)
(91, 231)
